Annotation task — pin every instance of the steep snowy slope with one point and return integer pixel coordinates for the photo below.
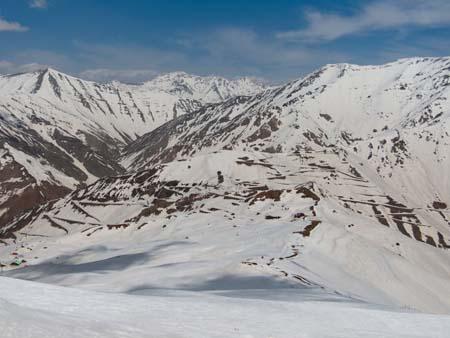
(60, 131)
(336, 181)
(339, 104)
(394, 119)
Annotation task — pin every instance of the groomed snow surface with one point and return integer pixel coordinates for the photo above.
(29, 309)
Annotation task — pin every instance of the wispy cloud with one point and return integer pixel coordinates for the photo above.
(229, 52)
(123, 75)
(246, 45)
(28, 60)
(9, 26)
(234, 51)
(379, 15)
(41, 4)
(121, 56)
(7, 67)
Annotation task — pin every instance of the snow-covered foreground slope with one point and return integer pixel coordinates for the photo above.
(29, 310)
(58, 132)
(235, 220)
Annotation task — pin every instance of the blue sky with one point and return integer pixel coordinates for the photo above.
(277, 40)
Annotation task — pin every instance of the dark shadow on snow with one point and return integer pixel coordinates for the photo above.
(62, 265)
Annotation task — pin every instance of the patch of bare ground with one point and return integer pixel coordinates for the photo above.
(306, 232)
(118, 226)
(268, 194)
(307, 193)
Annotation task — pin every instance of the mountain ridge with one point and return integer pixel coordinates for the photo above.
(68, 132)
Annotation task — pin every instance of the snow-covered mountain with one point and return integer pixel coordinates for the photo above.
(338, 105)
(58, 132)
(391, 123)
(204, 88)
(335, 182)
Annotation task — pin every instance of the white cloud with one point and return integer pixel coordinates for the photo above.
(38, 4)
(123, 75)
(33, 59)
(7, 67)
(9, 26)
(245, 45)
(377, 15)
